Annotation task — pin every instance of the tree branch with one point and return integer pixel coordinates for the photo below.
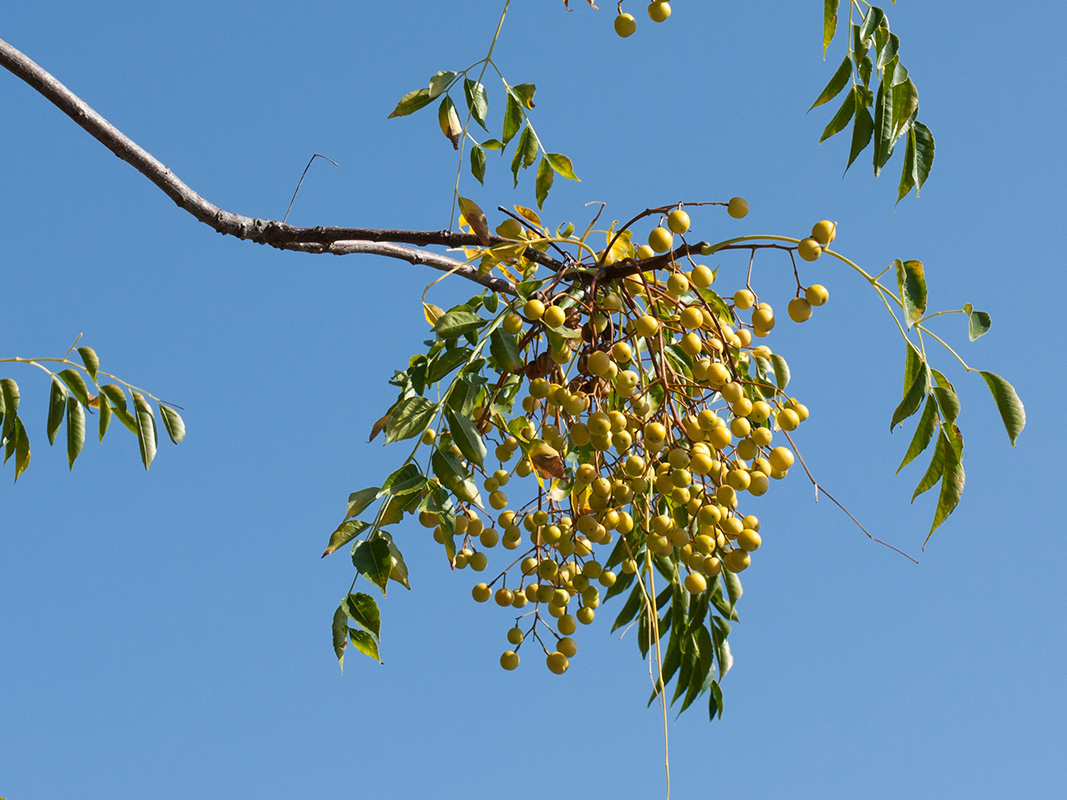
(320, 239)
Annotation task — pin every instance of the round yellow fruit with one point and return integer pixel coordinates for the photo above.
(554, 316)
(567, 646)
(509, 660)
(824, 232)
(533, 309)
(781, 458)
(625, 25)
(558, 663)
(701, 276)
(737, 560)
(660, 239)
(737, 207)
(646, 325)
(678, 221)
(809, 249)
(799, 309)
(695, 583)
(744, 299)
(481, 592)
(816, 294)
(659, 11)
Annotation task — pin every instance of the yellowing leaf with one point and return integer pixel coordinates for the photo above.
(432, 313)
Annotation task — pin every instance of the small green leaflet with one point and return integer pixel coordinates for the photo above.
(409, 418)
(411, 102)
(373, 560)
(364, 643)
(454, 324)
(465, 435)
(1008, 403)
(362, 610)
(75, 429)
(978, 322)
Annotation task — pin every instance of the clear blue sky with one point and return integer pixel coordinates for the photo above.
(166, 634)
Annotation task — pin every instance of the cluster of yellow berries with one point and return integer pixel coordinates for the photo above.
(658, 11)
(648, 414)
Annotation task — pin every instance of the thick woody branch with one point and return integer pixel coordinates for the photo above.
(277, 234)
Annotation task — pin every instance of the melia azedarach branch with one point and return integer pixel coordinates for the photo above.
(319, 239)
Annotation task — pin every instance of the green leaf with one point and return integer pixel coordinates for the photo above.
(371, 559)
(411, 102)
(978, 322)
(934, 471)
(512, 119)
(525, 92)
(364, 643)
(447, 361)
(345, 533)
(117, 398)
(505, 351)
(545, 176)
(911, 285)
(439, 82)
(525, 152)
(913, 395)
(837, 82)
(862, 129)
(340, 636)
(466, 436)
(454, 476)
(448, 119)
(924, 153)
(104, 407)
(406, 479)
(478, 164)
(829, 29)
(89, 359)
(1008, 404)
(952, 480)
(9, 392)
(841, 118)
(359, 501)
(75, 429)
(872, 20)
(493, 144)
(629, 610)
(886, 44)
(733, 587)
(715, 702)
(76, 383)
(22, 448)
(57, 401)
(454, 324)
(924, 433)
(561, 164)
(146, 429)
(409, 418)
(883, 127)
(172, 423)
(477, 100)
(947, 399)
(399, 570)
(362, 610)
(781, 371)
(905, 99)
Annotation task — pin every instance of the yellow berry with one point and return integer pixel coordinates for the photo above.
(744, 299)
(659, 11)
(678, 221)
(509, 660)
(809, 249)
(533, 309)
(824, 232)
(481, 592)
(558, 663)
(695, 583)
(816, 294)
(554, 316)
(701, 276)
(781, 458)
(799, 309)
(625, 25)
(737, 207)
(660, 239)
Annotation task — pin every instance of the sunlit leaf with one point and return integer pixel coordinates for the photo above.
(345, 533)
(512, 119)
(340, 636)
(952, 479)
(466, 437)
(913, 395)
(409, 418)
(829, 27)
(947, 399)
(371, 559)
(934, 471)
(525, 92)
(545, 176)
(454, 476)
(475, 218)
(1008, 404)
(146, 429)
(104, 407)
(75, 429)
(173, 423)
(911, 284)
(456, 323)
(117, 398)
(399, 570)
(561, 164)
(862, 129)
(448, 119)
(836, 84)
(362, 610)
(478, 163)
(364, 643)
(405, 479)
(412, 102)
(978, 322)
(90, 360)
(477, 100)
(439, 82)
(57, 403)
(76, 383)
(924, 433)
(781, 371)
(9, 391)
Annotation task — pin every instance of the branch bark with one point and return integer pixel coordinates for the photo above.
(319, 239)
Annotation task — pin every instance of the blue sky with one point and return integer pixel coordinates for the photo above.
(166, 634)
